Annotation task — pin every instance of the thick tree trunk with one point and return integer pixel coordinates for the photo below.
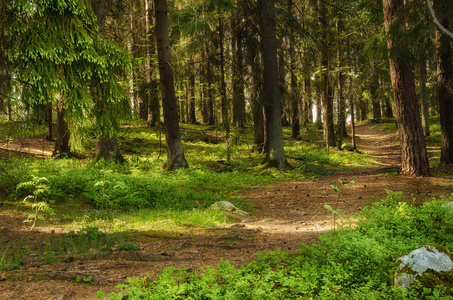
(175, 152)
(414, 155)
(276, 154)
(445, 83)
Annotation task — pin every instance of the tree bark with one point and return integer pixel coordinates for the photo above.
(424, 98)
(412, 142)
(205, 85)
(306, 103)
(154, 104)
(175, 152)
(341, 132)
(223, 101)
(256, 87)
(49, 135)
(326, 95)
(238, 71)
(276, 154)
(294, 95)
(192, 117)
(445, 84)
(62, 148)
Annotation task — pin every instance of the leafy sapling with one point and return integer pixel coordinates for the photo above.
(335, 211)
(38, 186)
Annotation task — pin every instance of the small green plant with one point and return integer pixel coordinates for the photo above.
(127, 247)
(38, 186)
(88, 279)
(104, 184)
(335, 211)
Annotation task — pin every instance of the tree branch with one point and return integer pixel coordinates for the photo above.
(439, 26)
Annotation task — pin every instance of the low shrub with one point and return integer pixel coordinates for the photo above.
(359, 264)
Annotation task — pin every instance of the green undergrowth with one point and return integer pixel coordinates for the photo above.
(352, 262)
(55, 247)
(141, 183)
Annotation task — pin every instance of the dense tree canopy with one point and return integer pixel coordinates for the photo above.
(332, 64)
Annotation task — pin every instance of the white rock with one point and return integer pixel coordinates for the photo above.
(420, 260)
(228, 207)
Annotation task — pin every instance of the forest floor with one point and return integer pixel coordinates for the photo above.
(285, 215)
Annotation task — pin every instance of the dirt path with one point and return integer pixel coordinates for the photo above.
(286, 214)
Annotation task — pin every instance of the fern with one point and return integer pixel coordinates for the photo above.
(38, 186)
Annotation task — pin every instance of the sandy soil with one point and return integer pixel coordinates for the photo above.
(285, 215)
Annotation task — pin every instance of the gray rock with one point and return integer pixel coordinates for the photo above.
(228, 207)
(432, 258)
(297, 212)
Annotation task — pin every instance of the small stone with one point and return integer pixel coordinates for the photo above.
(267, 220)
(228, 207)
(297, 212)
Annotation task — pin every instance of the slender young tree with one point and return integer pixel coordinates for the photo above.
(326, 90)
(412, 142)
(175, 152)
(276, 153)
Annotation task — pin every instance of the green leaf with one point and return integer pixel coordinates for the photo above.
(335, 188)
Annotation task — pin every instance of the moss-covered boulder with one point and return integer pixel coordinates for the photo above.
(431, 265)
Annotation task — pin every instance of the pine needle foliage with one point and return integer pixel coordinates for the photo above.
(58, 53)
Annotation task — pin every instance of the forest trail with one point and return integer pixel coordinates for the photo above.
(285, 215)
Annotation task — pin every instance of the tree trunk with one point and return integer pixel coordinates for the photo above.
(306, 103)
(445, 83)
(256, 88)
(276, 154)
(49, 135)
(175, 152)
(62, 148)
(192, 117)
(106, 146)
(294, 95)
(326, 99)
(414, 156)
(224, 104)
(154, 105)
(205, 86)
(424, 98)
(238, 71)
(341, 101)
(283, 87)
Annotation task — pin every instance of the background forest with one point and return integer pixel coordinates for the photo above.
(85, 68)
(147, 112)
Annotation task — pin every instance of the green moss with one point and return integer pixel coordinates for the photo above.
(431, 279)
